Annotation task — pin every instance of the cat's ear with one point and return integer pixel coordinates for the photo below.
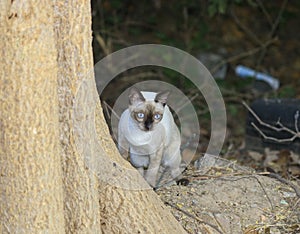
(135, 96)
(162, 97)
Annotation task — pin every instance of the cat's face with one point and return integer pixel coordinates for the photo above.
(146, 113)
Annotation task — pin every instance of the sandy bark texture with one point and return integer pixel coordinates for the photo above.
(75, 63)
(31, 196)
(48, 125)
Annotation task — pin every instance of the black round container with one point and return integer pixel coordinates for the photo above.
(271, 111)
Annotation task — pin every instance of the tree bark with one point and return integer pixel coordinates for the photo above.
(60, 170)
(75, 64)
(31, 196)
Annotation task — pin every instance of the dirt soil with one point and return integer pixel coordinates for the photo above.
(227, 198)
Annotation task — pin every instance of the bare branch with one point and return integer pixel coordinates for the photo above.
(182, 105)
(281, 128)
(273, 30)
(248, 31)
(244, 54)
(102, 44)
(264, 10)
(106, 106)
(273, 138)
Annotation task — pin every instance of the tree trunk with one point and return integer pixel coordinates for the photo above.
(75, 63)
(31, 195)
(55, 168)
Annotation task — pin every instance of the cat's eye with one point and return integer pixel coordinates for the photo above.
(140, 115)
(157, 116)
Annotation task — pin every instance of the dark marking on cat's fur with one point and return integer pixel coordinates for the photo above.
(149, 120)
(162, 97)
(163, 104)
(135, 96)
(150, 112)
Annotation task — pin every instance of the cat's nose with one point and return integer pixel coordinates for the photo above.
(148, 126)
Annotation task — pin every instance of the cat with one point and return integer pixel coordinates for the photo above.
(148, 132)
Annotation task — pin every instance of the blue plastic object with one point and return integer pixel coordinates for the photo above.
(245, 72)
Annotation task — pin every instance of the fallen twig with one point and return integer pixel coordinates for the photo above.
(287, 182)
(262, 187)
(206, 177)
(192, 216)
(246, 175)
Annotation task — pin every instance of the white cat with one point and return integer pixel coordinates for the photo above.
(148, 131)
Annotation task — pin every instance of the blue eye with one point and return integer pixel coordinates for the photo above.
(140, 115)
(157, 116)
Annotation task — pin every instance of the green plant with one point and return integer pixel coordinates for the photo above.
(220, 6)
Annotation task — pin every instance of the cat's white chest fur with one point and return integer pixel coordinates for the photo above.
(141, 143)
(150, 149)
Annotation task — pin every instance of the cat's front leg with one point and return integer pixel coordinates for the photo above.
(141, 170)
(154, 164)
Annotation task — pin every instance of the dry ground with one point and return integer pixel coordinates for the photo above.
(227, 198)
